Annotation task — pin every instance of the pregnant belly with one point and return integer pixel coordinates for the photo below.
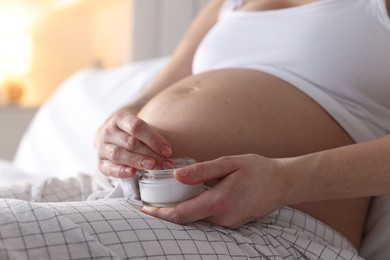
(234, 111)
(237, 111)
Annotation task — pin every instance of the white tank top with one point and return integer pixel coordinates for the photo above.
(335, 51)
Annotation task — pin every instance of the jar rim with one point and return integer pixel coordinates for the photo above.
(162, 174)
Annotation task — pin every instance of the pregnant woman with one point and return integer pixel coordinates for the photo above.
(262, 78)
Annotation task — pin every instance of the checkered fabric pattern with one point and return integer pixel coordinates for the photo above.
(51, 220)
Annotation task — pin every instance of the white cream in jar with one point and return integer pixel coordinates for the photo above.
(159, 188)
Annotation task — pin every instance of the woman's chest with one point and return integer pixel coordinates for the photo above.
(262, 5)
(328, 43)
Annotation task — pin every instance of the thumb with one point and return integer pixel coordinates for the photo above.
(206, 171)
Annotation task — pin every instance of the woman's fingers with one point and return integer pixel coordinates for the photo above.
(132, 153)
(115, 170)
(119, 155)
(247, 187)
(125, 143)
(140, 130)
(212, 203)
(207, 171)
(215, 205)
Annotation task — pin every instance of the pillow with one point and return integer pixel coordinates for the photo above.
(59, 140)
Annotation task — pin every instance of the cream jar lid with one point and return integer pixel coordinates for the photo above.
(166, 174)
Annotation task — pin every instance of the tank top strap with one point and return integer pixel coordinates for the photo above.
(230, 5)
(383, 14)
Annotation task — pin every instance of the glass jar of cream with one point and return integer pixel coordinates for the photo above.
(159, 188)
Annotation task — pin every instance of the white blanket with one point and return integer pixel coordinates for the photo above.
(34, 224)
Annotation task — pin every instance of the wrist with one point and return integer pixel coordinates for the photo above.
(297, 180)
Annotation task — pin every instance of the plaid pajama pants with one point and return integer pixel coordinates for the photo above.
(53, 220)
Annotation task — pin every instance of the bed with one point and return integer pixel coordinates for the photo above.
(58, 143)
(56, 152)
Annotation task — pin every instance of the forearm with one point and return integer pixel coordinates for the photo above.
(352, 171)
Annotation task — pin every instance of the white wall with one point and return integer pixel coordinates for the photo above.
(160, 24)
(13, 123)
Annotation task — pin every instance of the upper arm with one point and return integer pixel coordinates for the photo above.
(180, 64)
(388, 7)
(206, 18)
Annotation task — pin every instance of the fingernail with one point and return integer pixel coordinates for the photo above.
(167, 165)
(166, 150)
(147, 163)
(147, 209)
(128, 170)
(183, 172)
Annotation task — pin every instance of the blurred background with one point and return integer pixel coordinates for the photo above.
(43, 42)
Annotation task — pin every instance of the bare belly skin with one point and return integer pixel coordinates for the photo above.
(238, 111)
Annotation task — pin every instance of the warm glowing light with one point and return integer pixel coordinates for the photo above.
(15, 41)
(64, 3)
(15, 54)
(14, 16)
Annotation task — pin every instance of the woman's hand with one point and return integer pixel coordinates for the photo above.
(247, 187)
(126, 143)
